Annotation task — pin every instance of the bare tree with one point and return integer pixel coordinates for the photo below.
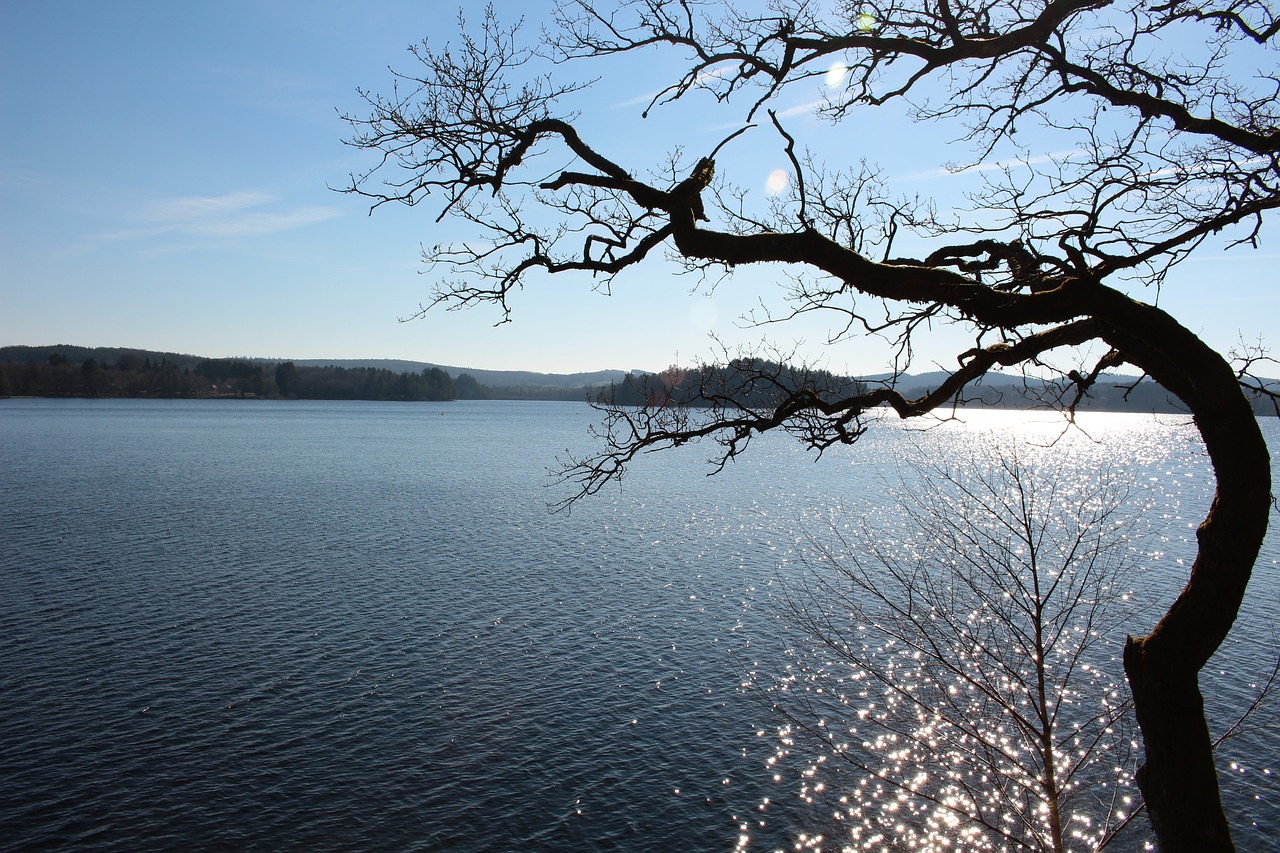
(964, 664)
(1171, 113)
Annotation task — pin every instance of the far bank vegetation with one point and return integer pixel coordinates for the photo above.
(73, 371)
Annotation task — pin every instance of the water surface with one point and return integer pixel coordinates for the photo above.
(255, 625)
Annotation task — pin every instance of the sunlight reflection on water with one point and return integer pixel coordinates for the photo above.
(1171, 488)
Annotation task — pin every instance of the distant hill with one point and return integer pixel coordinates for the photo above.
(104, 355)
(492, 378)
(60, 370)
(169, 374)
(1111, 393)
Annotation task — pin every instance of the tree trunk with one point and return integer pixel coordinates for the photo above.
(1178, 779)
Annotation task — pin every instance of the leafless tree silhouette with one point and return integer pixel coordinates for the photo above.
(965, 664)
(1171, 112)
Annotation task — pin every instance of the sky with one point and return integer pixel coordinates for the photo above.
(167, 175)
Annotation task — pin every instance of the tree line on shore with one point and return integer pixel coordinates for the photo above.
(76, 372)
(70, 371)
(82, 372)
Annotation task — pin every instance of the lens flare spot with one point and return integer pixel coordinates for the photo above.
(866, 22)
(777, 182)
(836, 73)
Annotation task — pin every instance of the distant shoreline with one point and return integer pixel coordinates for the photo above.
(66, 371)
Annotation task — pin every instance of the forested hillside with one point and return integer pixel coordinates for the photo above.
(71, 371)
(68, 371)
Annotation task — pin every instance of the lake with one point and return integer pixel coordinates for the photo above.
(259, 625)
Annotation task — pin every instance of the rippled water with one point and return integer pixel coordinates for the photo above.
(256, 625)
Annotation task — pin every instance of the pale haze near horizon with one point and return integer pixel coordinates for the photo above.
(166, 175)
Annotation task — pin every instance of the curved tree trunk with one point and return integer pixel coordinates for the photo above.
(1178, 779)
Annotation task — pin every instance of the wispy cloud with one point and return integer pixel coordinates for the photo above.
(809, 108)
(802, 109)
(188, 208)
(636, 101)
(246, 213)
(992, 166)
(251, 224)
(1207, 171)
(647, 97)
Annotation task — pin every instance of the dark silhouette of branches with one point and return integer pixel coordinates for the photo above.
(1170, 117)
(959, 675)
(965, 661)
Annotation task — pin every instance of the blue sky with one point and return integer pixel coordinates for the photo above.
(165, 174)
